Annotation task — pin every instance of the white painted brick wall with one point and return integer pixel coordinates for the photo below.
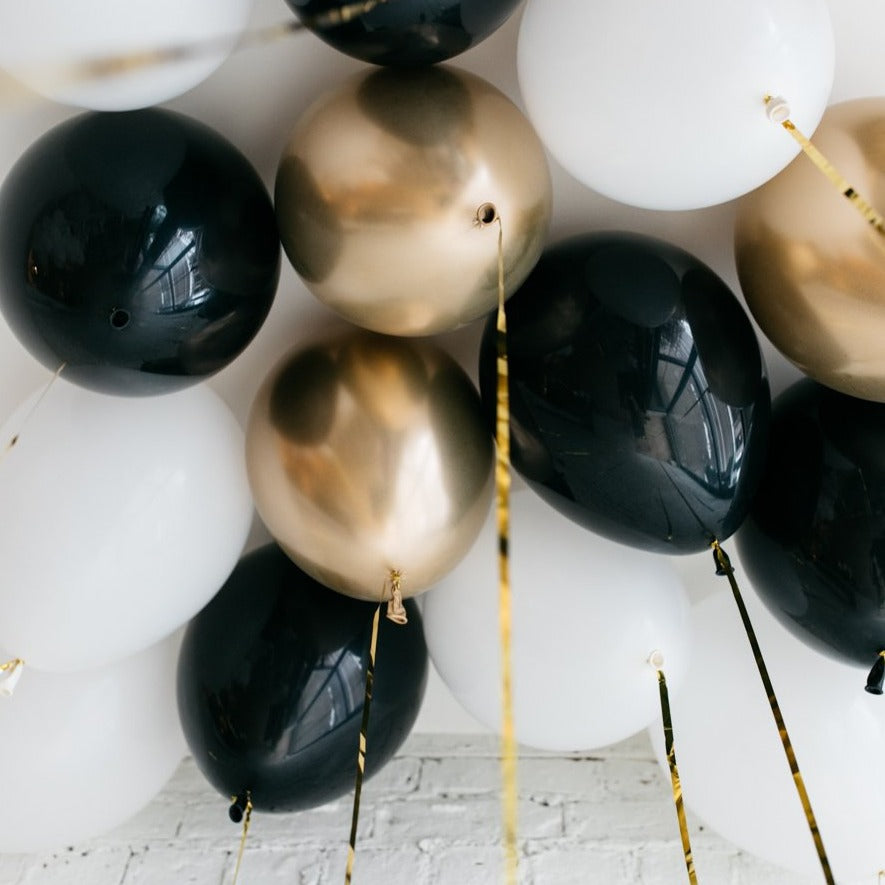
(431, 817)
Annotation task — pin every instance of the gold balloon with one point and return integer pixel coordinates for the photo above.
(378, 190)
(368, 455)
(812, 269)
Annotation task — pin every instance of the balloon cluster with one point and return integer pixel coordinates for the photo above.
(140, 255)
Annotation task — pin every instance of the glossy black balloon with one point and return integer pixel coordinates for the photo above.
(406, 32)
(139, 249)
(271, 682)
(638, 396)
(814, 542)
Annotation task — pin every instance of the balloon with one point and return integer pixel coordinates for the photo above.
(125, 517)
(406, 32)
(271, 683)
(660, 105)
(732, 766)
(638, 399)
(382, 225)
(811, 267)
(110, 56)
(369, 454)
(587, 614)
(138, 249)
(816, 531)
(83, 752)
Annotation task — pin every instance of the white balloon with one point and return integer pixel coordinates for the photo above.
(123, 517)
(587, 613)
(661, 105)
(80, 753)
(858, 26)
(46, 43)
(733, 769)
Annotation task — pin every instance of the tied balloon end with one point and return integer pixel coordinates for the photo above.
(486, 214)
(11, 673)
(240, 806)
(396, 611)
(876, 679)
(656, 660)
(777, 108)
(723, 563)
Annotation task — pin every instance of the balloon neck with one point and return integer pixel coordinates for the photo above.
(720, 557)
(656, 659)
(777, 108)
(240, 807)
(10, 673)
(396, 610)
(876, 679)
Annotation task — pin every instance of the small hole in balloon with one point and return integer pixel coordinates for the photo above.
(487, 213)
(119, 318)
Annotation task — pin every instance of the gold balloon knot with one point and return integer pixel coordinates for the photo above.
(396, 611)
(486, 214)
(10, 673)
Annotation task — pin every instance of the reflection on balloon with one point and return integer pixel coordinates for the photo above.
(138, 249)
(88, 53)
(126, 517)
(368, 454)
(271, 683)
(406, 32)
(639, 403)
(661, 105)
(734, 774)
(811, 266)
(587, 614)
(814, 542)
(83, 752)
(381, 225)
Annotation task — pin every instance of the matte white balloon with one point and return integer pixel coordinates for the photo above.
(587, 613)
(733, 769)
(49, 45)
(661, 105)
(123, 517)
(83, 752)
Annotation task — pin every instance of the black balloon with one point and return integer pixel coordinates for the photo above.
(405, 32)
(139, 249)
(814, 542)
(271, 682)
(638, 396)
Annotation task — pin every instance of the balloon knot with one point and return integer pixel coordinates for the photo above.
(877, 675)
(396, 611)
(241, 806)
(10, 673)
(777, 108)
(720, 557)
(486, 214)
(656, 659)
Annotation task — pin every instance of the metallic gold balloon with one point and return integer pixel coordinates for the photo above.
(811, 267)
(369, 454)
(378, 190)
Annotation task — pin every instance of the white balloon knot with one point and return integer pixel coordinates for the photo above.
(656, 659)
(777, 108)
(10, 673)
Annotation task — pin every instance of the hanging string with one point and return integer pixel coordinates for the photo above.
(241, 809)
(779, 112)
(396, 612)
(656, 659)
(10, 673)
(724, 567)
(13, 442)
(125, 63)
(487, 214)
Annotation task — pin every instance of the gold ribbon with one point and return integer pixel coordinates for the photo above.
(13, 442)
(487, 214)
(656, 661)
(724, 567)
(124, 63)
(778, 112)
(247, 819)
